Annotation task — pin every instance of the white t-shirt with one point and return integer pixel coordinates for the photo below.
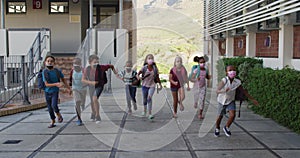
(227, 97)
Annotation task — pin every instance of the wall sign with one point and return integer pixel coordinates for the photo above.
(37, 4)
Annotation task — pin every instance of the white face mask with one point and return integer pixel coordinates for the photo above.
(178, 64)
(128, 69)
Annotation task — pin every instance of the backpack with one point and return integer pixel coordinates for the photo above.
(198, 72)
(101, 78)
(156, 75)
(41, 83)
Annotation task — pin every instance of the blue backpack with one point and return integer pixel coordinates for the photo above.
(41, 83)
(198, 72)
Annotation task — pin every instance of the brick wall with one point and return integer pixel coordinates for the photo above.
(239, 50)
(264, 51)
(222, 51)
(296, 42)
(129, 23)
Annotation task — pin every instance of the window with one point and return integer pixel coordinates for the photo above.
(58, 7)
(16, 7)
(298, 16)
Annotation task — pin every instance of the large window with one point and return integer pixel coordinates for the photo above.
(16, 7)
(298, 17)
(58, 7)
(105, 16)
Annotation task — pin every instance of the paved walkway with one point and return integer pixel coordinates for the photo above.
(25, 135)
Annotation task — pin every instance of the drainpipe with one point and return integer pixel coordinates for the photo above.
(120, 14)
(91, 13)
(2, 14)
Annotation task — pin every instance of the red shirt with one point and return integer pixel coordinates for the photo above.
(179, 76)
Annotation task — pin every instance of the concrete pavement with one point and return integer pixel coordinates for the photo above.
(25, 135)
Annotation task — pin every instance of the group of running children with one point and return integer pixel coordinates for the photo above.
(94, 77)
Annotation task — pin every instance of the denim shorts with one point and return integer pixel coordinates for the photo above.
(223, 108)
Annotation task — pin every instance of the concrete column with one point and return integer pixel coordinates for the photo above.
(214, 58)
(2, 15)
(120, 14)
(91, 13)
(250, 44)
(285, 49)
(229, 46)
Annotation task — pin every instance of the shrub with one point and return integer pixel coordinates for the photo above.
(277, 92)
(237, 61)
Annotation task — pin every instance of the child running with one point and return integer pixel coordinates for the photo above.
(226, 99)
(150, 76)
(127, 76)
(178, 78)
(199, 76)
(51, 78)
(78, 88)
(95, 76)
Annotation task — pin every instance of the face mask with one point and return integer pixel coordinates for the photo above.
(202, 65)
(128, 69)
(150, 61)
(77, 68)
(49, 66)
(231, 74)
(178, 64)
(95, 65)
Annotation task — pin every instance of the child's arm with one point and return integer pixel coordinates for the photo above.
(86, 81)
(220, 86)
(254, 101)
(171, 80)
(113, 69)
(66, 84)
(193, 78)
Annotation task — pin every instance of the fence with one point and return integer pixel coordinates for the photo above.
(18, 73)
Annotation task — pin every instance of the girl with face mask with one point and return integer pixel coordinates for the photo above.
(226, 99)
(178, 78)
(199, 76)
(51, 78)
(127, 76)
(150, 76)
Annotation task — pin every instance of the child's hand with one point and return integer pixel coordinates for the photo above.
(175, 83)
(188, 88)
(227, 89)
(255, 102)
(59, 85)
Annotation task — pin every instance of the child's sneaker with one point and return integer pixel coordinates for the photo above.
(130, 112)
(79, 123)
(134, 106)
(150, 117)
(217, 132)
(227, 131)
(93, 116)
(98, 119)
(144, 113)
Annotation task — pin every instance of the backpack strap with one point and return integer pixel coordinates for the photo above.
(57, 74)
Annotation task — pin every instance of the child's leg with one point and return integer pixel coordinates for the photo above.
(149, 99)
(181, 97)
(48, 97)
(128, 97)
(82, 98)
(77, 98)
(91, 92)
(145, 91)
(220, 112)
(54, 102)
(202, 94)
(196, 96)
(175, 102)
(133, 94)
(231, 108)
(96, 96)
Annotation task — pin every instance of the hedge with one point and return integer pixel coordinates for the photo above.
(277, 92)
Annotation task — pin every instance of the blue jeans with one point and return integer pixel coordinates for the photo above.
(52, 101)
(147, 96)
(130, 94)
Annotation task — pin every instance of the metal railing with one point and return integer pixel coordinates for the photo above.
(18, 73)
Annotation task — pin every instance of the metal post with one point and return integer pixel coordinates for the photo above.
(120, 14)
(2, 15)
(91, 13)
(39, 47)
(31, 63)
(109, 89)
(24, 82)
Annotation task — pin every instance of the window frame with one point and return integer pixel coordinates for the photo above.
(55, 13)
(17, 1)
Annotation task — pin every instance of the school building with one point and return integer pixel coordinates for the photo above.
(266, 29)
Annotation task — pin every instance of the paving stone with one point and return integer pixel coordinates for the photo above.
(152, 154)
(235, 153)
(288, 153)
(73, 154)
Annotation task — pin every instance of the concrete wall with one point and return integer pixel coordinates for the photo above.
(2, 42)
(65, 32)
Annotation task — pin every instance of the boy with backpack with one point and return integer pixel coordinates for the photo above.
(51, 78)
(226, 99)
(78, 88)
(95, 76)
